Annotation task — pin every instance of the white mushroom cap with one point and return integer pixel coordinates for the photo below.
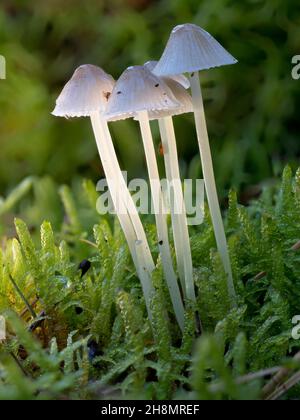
(189, 49)
(86, 92)
(179, 78)
(139, 90)
(181, 95)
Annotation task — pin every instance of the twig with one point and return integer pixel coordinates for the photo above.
(277, 379)
(296, 247)
(257, 375)
(30, 308)
(260, 276)
(18, 363)
(37, 322)
(263, 274)
(25, 310)
(85, 241)
(247, 378)
(293, 381)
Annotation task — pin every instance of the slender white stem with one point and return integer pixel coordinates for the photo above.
(209, 179)
(178, 211)
(161, 221)
(127, 199)
(176, 227)
(125, 221)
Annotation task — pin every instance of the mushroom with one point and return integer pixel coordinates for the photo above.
(179, 78)
(189, 50)
(138, 92)
(178, 211)
(86, 95)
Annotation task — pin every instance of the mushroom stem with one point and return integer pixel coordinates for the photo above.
(127, 199)
(209, 179)
(161, 222)
(114, 187)
(178, 211)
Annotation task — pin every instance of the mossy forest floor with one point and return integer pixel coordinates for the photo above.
(84, 334)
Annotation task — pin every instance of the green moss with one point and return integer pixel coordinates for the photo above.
(72, 335)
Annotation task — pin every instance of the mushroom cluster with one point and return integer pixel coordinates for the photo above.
(155, 91)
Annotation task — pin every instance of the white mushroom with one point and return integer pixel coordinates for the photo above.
(86, 95)
(179, 78)
(137, 93)
(178, 210)
(189, 50)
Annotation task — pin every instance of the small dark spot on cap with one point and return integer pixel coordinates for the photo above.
(165, 93)
(119, 93)
(157, 84)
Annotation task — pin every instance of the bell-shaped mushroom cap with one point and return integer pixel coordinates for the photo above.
(139, 90)
(181, 95)
(189, 49)
(179, 78)
(86, 92)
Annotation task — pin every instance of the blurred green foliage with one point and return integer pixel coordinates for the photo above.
(252, 108)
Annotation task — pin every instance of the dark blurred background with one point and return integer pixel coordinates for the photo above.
(252, 108)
